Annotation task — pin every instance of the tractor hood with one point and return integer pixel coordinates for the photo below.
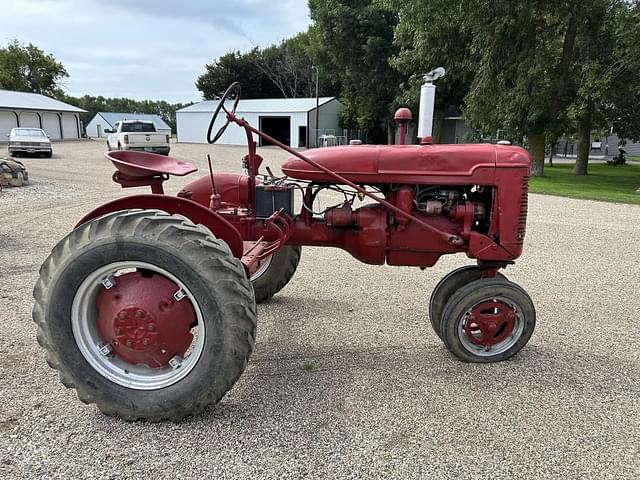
(403, 163)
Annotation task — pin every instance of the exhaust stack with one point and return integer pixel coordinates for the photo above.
(427, 104)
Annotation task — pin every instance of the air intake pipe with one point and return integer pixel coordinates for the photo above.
(427, 104)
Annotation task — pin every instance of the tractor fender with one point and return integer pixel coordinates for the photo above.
(195, 212)
(233, 189)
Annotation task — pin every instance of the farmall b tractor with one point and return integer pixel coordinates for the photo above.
(148, 307)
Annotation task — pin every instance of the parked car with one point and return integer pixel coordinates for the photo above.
(137, 135)
(29, 140)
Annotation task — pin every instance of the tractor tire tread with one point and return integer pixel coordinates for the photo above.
(455, 308)
(272, 282)
(446, 287)
(130, 224)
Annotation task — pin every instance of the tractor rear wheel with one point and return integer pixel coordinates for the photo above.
(275, 272)
(488, 320)
(145, 314)
(446, 287)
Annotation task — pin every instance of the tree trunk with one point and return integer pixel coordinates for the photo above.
(391, 132)
(536, 143)
(438, 123)
(584, 144)
(551, 150)
(562, 72)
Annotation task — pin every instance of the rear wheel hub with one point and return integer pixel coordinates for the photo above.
(143, 321)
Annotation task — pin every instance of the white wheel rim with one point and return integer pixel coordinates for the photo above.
(84, 317)
(262, 269)
(498, 348)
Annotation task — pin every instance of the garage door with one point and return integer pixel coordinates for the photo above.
(7, 122)
(29, 119)
(69, 126)
(276, 127)
(51, 125)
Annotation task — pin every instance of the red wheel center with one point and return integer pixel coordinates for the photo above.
(489, 323)
(135, 325)
(143, 322)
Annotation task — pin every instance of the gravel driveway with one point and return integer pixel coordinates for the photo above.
(348, 380)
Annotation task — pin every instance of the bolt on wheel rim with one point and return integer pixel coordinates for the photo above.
(103, 356)
(491, 327)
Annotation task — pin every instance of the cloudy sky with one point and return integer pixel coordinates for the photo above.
(141, 49)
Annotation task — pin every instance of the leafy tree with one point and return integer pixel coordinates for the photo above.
(508, 62)
(279, 71)
(606, 70)
(288, 67)
(525, 51)
(229, 68)
(431, 34)
(94, 105)
(590, 77)
(329, 79)
(355, 38)
(26, 68)
(536, 68)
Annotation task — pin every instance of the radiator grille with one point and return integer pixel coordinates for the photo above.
(524, 203)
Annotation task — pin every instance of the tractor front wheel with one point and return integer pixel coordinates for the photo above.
(488, 320)
(145, 314)
(275, 272)
(446, 287)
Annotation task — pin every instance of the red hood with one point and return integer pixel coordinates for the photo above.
(395, 163)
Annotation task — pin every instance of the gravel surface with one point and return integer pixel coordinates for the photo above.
(348, 380)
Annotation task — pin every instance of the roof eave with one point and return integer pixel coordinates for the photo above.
(330, 99)
(77, 110)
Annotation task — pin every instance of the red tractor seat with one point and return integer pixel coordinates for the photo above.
(134, 164)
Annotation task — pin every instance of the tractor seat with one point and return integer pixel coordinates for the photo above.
(134, 164)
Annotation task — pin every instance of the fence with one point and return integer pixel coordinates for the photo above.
(329, 137)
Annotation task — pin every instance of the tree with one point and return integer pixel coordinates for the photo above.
(606, 73)
(538, 69)
(279, 71)
(288, 66)
(229, 68)
(508, 62)
(94, 105)
(525, 52)
(29, 69)
(354, 39)
(431, 34)
(590, 79)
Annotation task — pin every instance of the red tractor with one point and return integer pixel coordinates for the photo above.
(148, 307)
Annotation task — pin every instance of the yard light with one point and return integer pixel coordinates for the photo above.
(313, 67)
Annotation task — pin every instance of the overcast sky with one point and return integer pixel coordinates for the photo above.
(141, 49)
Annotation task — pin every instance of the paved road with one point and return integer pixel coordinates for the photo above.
(385, 399)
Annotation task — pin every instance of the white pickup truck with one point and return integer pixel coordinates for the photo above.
(137, 135)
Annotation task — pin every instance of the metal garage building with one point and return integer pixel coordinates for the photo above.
(19, 109)
(289, 120)
(95, 128)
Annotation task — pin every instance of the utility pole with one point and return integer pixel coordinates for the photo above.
(313, 67)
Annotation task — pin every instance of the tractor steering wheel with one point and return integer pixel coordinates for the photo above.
(233, 88)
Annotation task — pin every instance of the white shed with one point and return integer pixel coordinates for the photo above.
(101, 120)
(20, 109)
(289, 120)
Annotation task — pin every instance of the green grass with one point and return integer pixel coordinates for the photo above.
(309, 366)
(605, 182)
